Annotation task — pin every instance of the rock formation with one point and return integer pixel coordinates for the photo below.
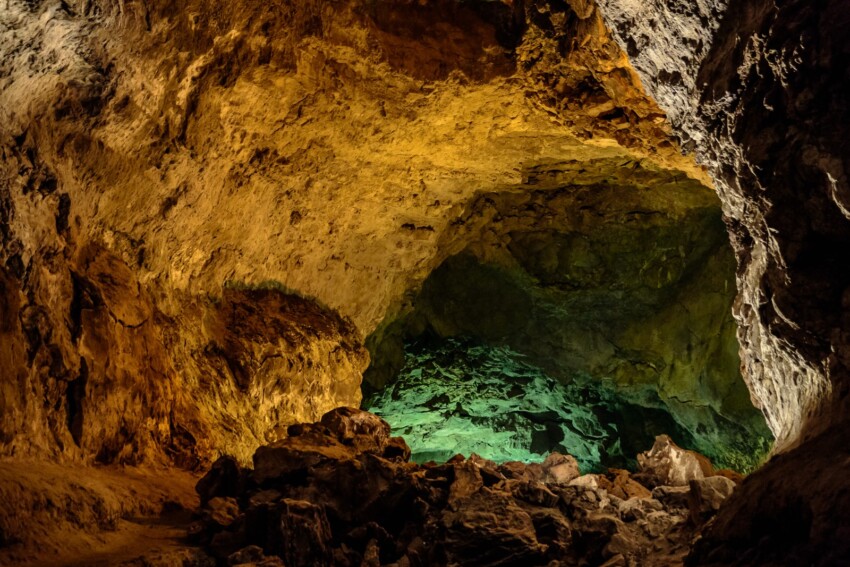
(209, 208)
(758, 90)
(171, 170)
(765, 123)
(342, 492)
(459, 396)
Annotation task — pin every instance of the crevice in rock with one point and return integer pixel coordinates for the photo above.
(62, 213)
(75, 397)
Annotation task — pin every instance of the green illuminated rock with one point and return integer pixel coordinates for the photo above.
(460, 396)
(617, 289)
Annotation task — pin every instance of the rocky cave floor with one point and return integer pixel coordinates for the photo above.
(342, 491)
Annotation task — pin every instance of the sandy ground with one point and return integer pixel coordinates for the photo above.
(73, 515)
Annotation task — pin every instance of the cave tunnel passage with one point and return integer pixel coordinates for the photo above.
(584, 320)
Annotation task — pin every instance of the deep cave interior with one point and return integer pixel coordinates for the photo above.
(567, 235)
(585, 319)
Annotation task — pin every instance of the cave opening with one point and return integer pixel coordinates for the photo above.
(582, 319)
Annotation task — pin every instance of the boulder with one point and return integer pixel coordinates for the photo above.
(222, 511)
(560, 469)
(673, 497)
(491, 529)
(301, 534)
(340, 492)
(253, 556)
(706, 496)
(221, 480)
(587, 480)
(620, 484)
(397, 449)
(365, 431)
(467, 481)
(671, 465)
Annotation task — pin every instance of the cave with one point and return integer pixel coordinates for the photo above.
(424, 282)
(595, 316)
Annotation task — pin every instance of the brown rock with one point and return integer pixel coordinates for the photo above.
(673, 497)
(246, 556)
(491, 529)
(397, 449)
(467, 481)
(706, 496)
(560, 469)
(734, 476)
(222, 511)
(532, 492)
(482, 462)
(303, 535)
(515, 470)
(553, 530)
(671, 464)
(365, 431)
(587, 480)
(222, 479)
(372, 555)
(620, 484)
(295, 455)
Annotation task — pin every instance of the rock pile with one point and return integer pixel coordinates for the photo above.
(343, 492)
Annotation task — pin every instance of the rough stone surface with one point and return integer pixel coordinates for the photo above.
(756, 90)
(706, 496)
(207, 205)
(69, 514)
(793, 511)
(627, 284)
(171, 172)
(328, 503)
(464, 396)
(759, 90)
(671, 465)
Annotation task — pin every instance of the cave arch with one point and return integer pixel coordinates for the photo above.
(614, 297)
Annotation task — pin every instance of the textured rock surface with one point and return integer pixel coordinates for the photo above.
(168, 167)
(758, 91)
(339, 504)
(793, 511)
(671, 465)
(456, 396)
(171, 172)
(628, 283)
(75, 515)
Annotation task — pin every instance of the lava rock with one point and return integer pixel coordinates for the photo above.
(491, 529)
(222, 480)
(250, 554)
(706, 496)
(560, 469)
(340, 492)
(365, 431)
(467, 481)
(304, 536)
(222, 511)
(397, 449)
(620, 484)
(672, 465)
(673, 497)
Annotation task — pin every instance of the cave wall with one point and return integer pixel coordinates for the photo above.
(165, 165)
(627, 282)
(757, 89)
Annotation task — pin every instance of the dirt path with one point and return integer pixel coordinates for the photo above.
(71, 515)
